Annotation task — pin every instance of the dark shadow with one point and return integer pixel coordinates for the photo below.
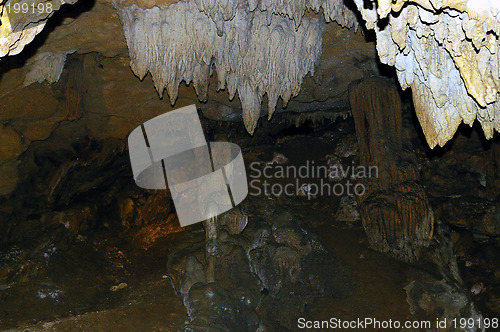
(304, 129)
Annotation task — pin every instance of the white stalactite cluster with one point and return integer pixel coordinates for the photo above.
(447, 51)
(253, 56)
(22, 20)
(47, 66)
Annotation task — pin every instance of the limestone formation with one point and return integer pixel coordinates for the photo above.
(254, 57)
(396, 214)
(333, 10)
(47, 67)
(267, 266)
(22, 20)
(274, 79)
(447, 52)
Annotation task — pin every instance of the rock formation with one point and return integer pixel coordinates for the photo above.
(333, 10)
(447, 52)
(47, 66)
(223, 44)
(395, 211)
(268, 266)
(257, 54)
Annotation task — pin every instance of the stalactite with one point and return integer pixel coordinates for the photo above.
(21, 21)
(47, 67)
(254, 56)
(447, 52)
(333, 10)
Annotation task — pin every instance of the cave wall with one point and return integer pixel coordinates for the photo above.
(98, 91)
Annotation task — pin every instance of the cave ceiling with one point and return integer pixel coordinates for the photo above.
(265, 53)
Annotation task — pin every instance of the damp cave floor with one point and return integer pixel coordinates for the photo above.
(150, 304)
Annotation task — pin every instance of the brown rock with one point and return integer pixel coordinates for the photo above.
(9, 177)
(156, 209)
(11, 145)
(472, 213)
(76, 219)
(126, 212)
(36, 130)
(147, 236)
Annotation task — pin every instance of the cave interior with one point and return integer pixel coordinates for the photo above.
(369, 135)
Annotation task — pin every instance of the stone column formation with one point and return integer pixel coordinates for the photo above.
(445, 50)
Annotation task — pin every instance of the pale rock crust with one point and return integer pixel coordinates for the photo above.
(148, 3)
(447, 52)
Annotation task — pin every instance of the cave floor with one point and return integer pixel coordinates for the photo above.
(149, 303)
(106, 280)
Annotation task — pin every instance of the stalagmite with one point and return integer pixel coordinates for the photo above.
(256, 55)
(447, 52)
(47, 67)
(22, 20)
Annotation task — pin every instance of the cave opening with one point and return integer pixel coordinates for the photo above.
(371, 170)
